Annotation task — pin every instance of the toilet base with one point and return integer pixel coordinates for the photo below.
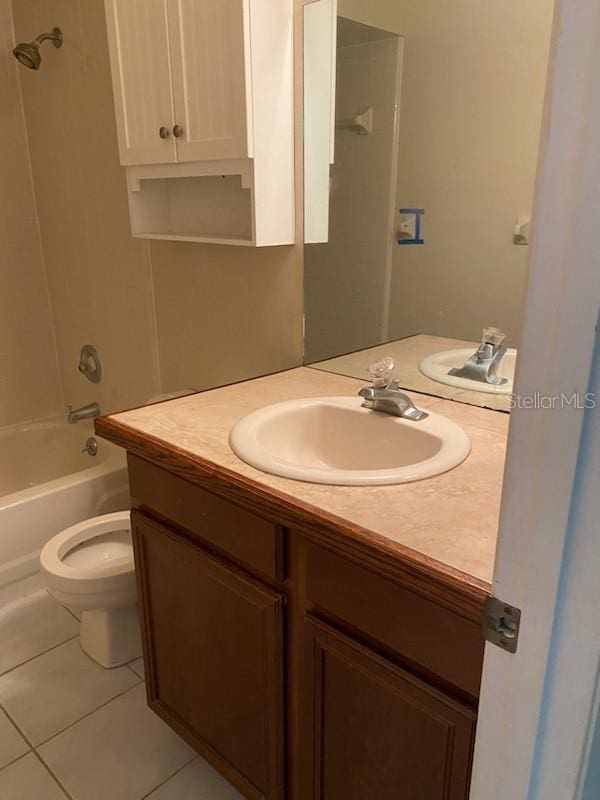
(112, 638)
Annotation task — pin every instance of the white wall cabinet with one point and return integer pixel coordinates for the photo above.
(203, 95)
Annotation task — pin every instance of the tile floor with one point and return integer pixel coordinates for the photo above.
(71, 730)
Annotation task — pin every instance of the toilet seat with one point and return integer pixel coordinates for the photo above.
(59, 547)
(67, 580)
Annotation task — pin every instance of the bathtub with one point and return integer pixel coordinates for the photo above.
(47, 483)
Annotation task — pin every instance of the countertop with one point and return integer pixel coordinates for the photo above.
(450, 520)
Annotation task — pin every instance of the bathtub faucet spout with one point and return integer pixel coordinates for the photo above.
(85, 412)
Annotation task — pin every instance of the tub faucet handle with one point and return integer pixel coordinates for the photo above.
(91, 447)
(90, 364)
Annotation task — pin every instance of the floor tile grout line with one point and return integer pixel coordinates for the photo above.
(137, 674)
(52, 775)
(87, 714)
(37, 655)
(18, 727)
(14, 760)
(72, 613)
(21, 734)
(166, 780)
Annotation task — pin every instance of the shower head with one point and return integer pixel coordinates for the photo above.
(28, 53)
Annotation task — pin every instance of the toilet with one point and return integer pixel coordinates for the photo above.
(89, 568)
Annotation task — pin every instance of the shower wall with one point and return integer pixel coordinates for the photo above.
(99, 277)
(29, 379)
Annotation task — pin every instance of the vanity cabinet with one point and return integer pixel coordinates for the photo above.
(302, 666)
(203, 94)
(376, 731)
(213, 648)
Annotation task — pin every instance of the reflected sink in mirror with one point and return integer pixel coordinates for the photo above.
(334, 440)
(438, 365)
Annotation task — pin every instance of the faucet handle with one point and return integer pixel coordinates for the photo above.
(381, 372)
(493, 336)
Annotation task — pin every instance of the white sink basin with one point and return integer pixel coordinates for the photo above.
(438, 365)
(334, 440)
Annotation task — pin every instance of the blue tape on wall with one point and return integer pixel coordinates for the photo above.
(418, 214)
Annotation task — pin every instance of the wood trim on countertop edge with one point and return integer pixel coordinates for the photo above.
(433, 580)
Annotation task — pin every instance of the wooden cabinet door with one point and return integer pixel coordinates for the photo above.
(209, 42)
(213, 648)
(371, 731)
(139, 55)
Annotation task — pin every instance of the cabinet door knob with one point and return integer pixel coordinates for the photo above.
(164, 132)
(177, 131)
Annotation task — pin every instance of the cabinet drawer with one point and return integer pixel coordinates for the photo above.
(218, 523)
(439, 640)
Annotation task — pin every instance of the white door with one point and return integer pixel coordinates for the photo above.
(139, 56)
(539, 706)
(209, 42)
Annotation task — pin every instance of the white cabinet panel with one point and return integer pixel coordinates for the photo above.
(209, 48)
(141, 70)
(320, 57)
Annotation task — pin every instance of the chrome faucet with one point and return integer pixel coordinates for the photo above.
(483, 365)
(85, 412)
(385, 394)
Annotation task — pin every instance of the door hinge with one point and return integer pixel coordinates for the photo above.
(501, 623)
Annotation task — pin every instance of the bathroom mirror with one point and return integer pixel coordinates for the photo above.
(422, 126)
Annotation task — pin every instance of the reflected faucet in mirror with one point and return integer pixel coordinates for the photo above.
(385, 395)
(483, 365)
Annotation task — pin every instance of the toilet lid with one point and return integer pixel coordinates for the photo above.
(97, 547)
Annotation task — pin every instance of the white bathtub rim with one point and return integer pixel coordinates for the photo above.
(48, 422)
(116, 460)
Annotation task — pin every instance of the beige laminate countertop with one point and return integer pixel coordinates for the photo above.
(452, 518)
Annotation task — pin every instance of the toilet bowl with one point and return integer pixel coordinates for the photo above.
(89, 568)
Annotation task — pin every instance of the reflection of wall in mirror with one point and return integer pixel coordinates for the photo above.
(472, 98)
(473, 80)
(388, 15)
(347, 279)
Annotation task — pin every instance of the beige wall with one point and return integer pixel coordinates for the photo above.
(473, 89)
(220, 315)
(29, 385)
(226, 314)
